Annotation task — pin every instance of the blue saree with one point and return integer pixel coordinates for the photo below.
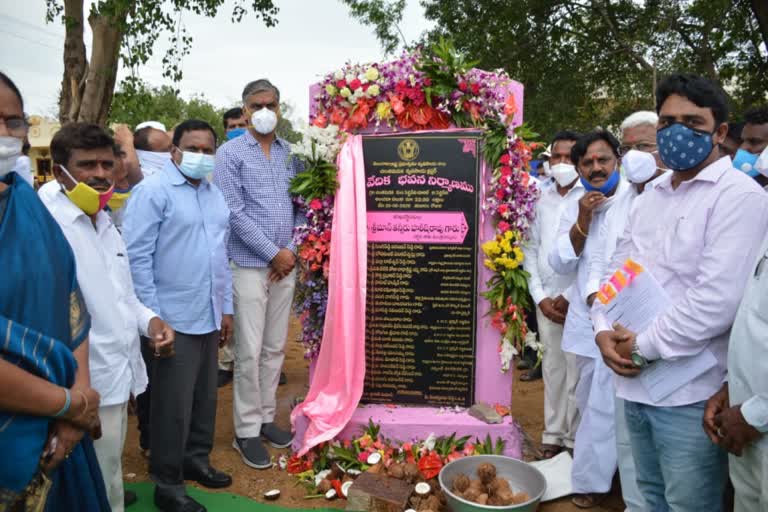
(43, 319)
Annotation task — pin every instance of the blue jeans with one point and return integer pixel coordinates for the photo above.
(678, 467)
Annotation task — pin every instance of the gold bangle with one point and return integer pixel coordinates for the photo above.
(578, 228)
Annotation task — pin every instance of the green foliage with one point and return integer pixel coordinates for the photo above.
(318, 181)
(488, 447)
(383, 15)
(587, 63)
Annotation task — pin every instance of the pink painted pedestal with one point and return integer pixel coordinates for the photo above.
(416, 423)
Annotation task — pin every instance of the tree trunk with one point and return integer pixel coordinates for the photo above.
(102, 72)
(760, 8)
(75, 62)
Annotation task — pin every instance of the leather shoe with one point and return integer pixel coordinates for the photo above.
(208, 477)
(177, 503)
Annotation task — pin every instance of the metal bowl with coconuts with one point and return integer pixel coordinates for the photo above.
(500, 480)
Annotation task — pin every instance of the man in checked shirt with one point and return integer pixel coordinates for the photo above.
(254, 172)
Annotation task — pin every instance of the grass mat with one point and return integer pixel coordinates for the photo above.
(214, 502)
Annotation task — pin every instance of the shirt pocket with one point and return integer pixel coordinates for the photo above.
(684, 244)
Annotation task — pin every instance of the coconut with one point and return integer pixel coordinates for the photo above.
(345, 488)
(396, 471)
(354, 472)
(423, 489)
(330, 494)
(410, 472)
(499, 485)
(461, 483)
(486, 472)
(373, 459)
(482, 499)
(431, 503)
(272, 495)
(322, 475)
(324, 486)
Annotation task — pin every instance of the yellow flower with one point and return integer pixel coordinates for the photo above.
(491, 248)
(518, 255)
(490, 265)
(371, 74)
(508, 235)
(507, 262)
(383, 110)
(345, 92)
(331, 90)
(505, 245)
(373, 90)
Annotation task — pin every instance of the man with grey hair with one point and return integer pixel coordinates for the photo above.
(254, 172)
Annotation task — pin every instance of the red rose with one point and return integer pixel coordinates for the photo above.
(354, 84)
(500, 194)
(475, 89)
(502, 209)
(504, 160)
(505, 170)
(316, 204)
(463, 86)
(341, 83)
(503, 226)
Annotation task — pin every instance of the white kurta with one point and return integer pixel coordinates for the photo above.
(594, 454)
(748, 386)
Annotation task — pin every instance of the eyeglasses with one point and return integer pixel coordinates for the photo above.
(16, 126)
(646, 147)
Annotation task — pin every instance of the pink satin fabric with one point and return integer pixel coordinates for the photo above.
(338, 377)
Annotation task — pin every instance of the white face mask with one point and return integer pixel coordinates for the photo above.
(264, 121)
(762, 163)
(639, 166)
(10, 149)
(564, 174)
(152, 161)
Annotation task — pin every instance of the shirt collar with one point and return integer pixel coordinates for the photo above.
(251, 140)
(710, 173)
(68, 212)
(177, 178)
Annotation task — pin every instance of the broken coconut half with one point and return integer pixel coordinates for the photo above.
(330, 494)
(272, 495)
(423, 488)
(373, 459)
(345, 488)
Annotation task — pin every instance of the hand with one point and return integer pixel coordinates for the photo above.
(736, 432)
(282, 264)
(227, 328)
(608, 342)
(62, 439)
(587, 205)
(547, 307)
(123, 135)
(591, 299)
(715, 405)
(84, 408)
(561, 304)
(161, 337)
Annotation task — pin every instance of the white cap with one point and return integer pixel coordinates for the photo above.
(157, 125)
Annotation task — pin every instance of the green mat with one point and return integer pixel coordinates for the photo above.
(214, 502)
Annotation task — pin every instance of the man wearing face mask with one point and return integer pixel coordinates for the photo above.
(84, 159)
(687, 229)
(639, 163)
(175, 228)
(254, 172)
(547, 287)
(153, 147)
(754, 142)
(596, 158)
(235, 123)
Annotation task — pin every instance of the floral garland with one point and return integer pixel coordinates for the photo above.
(424, 89)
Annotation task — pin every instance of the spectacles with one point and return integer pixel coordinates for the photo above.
(16, 126)
(645, 147)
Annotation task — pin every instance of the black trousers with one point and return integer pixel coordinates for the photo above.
(183, 410)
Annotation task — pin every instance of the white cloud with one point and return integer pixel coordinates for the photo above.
(311, 38)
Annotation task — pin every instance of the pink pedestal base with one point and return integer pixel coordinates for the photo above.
(416, 423)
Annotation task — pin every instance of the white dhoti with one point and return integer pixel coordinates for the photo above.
(594, 455)
(560, 375)
(109, 451)
(749, 474)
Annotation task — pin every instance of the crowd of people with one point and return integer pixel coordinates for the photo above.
(162, 245)
(666, 405)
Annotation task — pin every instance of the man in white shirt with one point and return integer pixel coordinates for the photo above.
(640, 166)
(752, 155)
(736, 418)
(84, 157)
(596, 157)
(697, 230)
(547, 287)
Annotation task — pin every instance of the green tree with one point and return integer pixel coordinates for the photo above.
(586, 63)
(127, 30)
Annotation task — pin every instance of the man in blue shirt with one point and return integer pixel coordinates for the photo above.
(254, 173)
(175, 230)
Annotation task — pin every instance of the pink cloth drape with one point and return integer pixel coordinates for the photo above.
(337, 382)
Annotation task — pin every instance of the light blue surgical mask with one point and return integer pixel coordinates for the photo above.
(235, 133)
(196, 165)
(745, 162)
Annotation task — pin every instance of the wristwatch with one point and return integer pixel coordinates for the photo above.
(638, 359)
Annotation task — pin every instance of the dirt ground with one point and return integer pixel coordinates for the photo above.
(527, 408)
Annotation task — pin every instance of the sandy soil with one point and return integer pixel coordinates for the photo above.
(527, 408)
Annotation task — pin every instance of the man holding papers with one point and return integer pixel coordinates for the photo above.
(688, 231)
(736, 418)
(596, 158)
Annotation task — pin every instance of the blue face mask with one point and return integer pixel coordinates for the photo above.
(609, 185)
(237, 132)
(682, 148)
(196, 165)
(745, 162)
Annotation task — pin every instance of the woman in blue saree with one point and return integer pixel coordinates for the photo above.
(47, 408)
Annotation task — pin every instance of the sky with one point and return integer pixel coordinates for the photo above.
(313, 37)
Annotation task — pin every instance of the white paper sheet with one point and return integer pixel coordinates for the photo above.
(665, 376)
(638, 304)
(557, 473)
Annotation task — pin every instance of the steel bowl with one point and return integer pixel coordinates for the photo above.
(521, 476)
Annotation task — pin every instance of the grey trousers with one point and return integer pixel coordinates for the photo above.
(183, 410)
